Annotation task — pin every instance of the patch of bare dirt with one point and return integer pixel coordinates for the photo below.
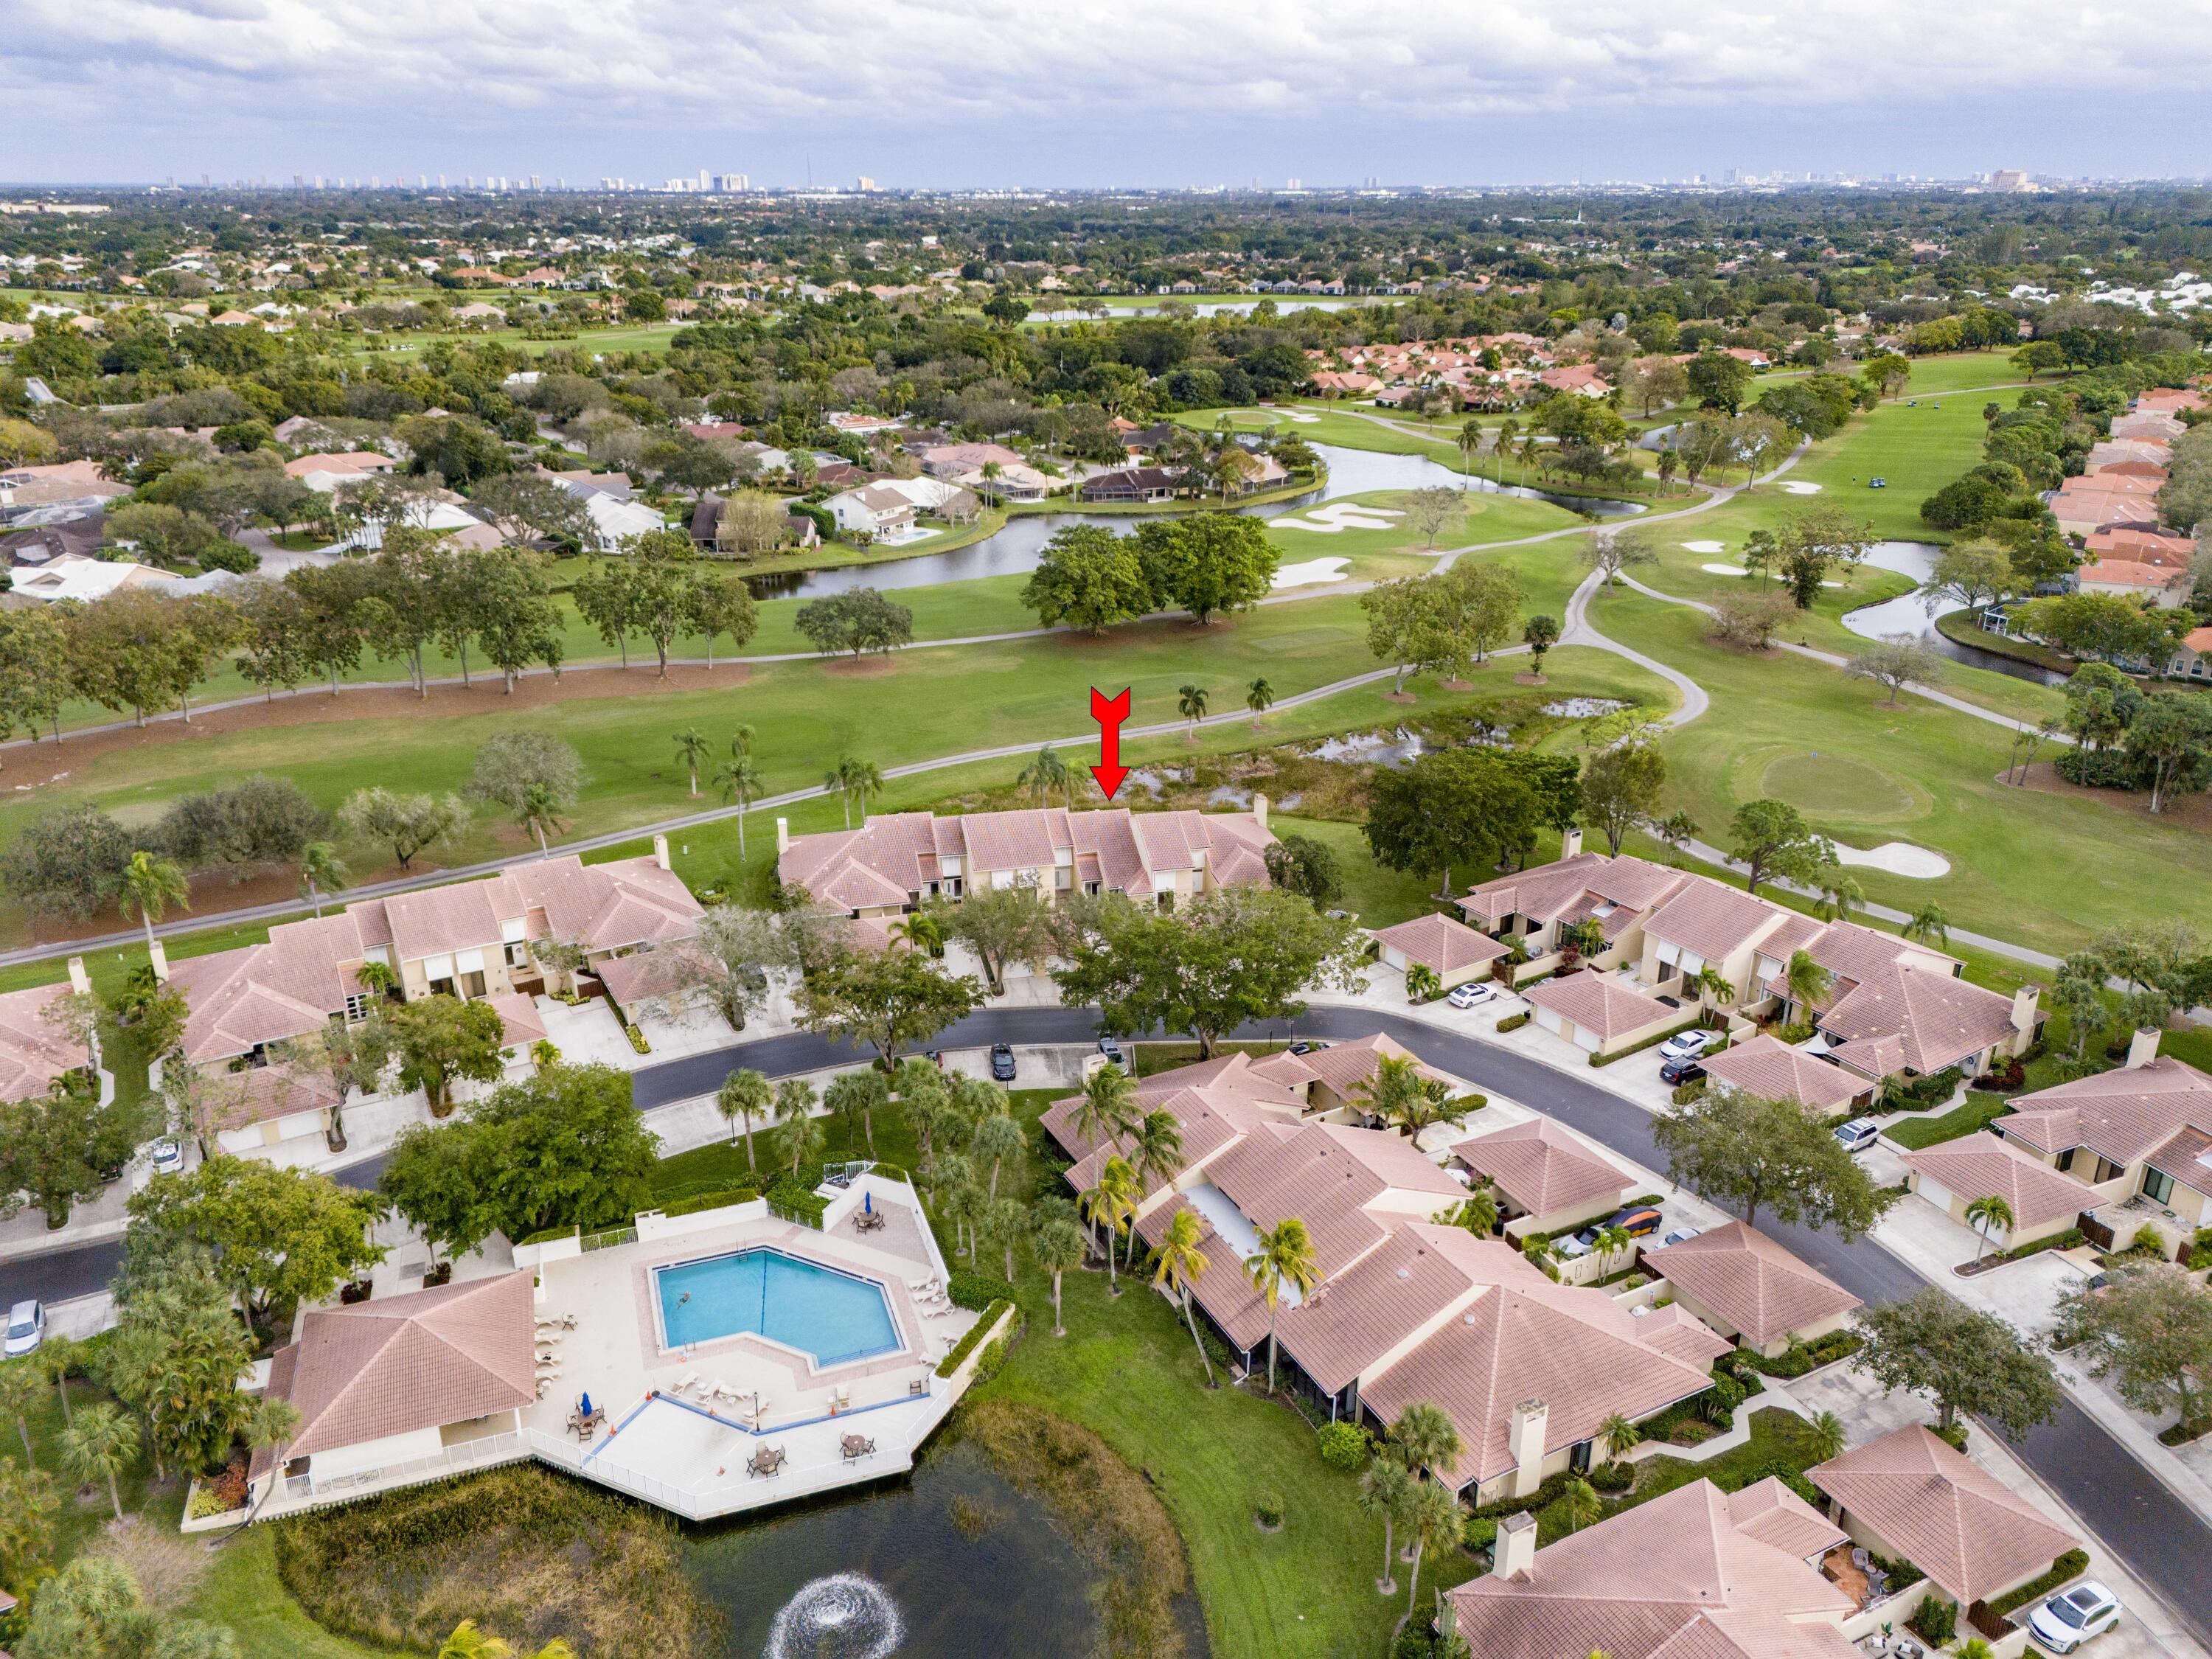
(859, 668)
(1530, 679)
(1399, 696)
(46, 762)
(168, 1566)
(2181, 812)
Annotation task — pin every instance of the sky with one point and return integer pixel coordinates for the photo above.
(926, 94)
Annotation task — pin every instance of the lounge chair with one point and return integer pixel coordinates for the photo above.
(722, 1390)
(841, 1397)
(682, 1383)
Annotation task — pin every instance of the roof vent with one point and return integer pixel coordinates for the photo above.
(1404, 1273)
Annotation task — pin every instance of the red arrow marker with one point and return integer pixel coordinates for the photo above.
(1109, 713)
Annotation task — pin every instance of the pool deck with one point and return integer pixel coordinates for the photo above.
(684, 1449)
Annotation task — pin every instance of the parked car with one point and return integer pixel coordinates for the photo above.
(1687, 1045)
(1568, 1249)
(1679, 1235)
(1683, 1068)
(1472, 994)
(1306, 1048)
(2072, 1617)
(167, 1156)
(27, 1327)
(1002, 1062)
(1638, 1221)
(1858, 1134)
(1111, 1048)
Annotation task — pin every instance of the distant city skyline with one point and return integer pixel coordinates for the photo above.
(1093, 94)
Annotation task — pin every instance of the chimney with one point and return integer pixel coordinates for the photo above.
(1513, 1555)
(160, 962)
(1260, 809)
(2023, 1009)
(80, 981)
(782, 836)
(1525, 1440)
(660, 851)
(1571, 841)
(2143, 1046)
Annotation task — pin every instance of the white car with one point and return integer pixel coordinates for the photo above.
(167, 1156)
(27, 1327)
(1472, 994)
(2072, 1617)
(1679, 1235)
(1858, 1134)
(1686, 1045)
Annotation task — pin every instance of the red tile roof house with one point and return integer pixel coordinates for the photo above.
(1528, 1368)
(1910, 1497)
(1750, 1288)
(898, 859)
(1547, 1180)
(2192, 656)
(1451, 950)
(2144, 1127)
(1769, 1068)
(34, 1053)
(470, 939)
(1697, 1573)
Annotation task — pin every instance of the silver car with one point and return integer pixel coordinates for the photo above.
(2072, 1617)
(27, 1327)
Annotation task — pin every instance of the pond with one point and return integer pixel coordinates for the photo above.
(949, 1562)
(1015, 550)
(1908, 613)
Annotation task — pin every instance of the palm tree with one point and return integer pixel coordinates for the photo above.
(746, 1095)
(1539, 634)
(1422, 984)
(863, 778)
(794, 1104)
(1539, 1253)
(1285, 1257)
(1620, 1436)
(1258, 697)
(20, 1387)
(991, 471)
(1105, 1109)
(539, 812)
(800, 1138)
(1713, 985)
(1192, 707)
(1057, 1244)
(1426, 1438)
(1383, 1489)
(739, 780)
(1432, 1513)
(1470, 439)
(1006, 1223)
(1825, 1435)
(1156, 1146)
(1477, 1211)
(1930, 925)
(692, 750)
(998, 1138)
(100, 1446)
(962, 1204)
(321, 868)
(270, 1424)
(1112, 1204)
(741, 741)
(150, 885)
(1611, 1239)
(1985, 1216)
(1177, 1264)
(1585, 938)
(1580, 1501)
(1047, 773)
(55, 1359)
(1806, 982)
(1386, 1092)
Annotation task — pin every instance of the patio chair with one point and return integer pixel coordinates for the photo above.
(858, 1446)
(842, 1396)
(720, 1390)
(1861, 1559)
(766, 1460)
(682, 1383)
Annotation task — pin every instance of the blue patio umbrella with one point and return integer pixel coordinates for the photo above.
(867, 1201)
(586, 1406)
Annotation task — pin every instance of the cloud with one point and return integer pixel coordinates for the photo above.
(327, 83)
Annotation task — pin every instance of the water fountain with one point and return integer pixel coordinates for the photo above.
(843, 1616)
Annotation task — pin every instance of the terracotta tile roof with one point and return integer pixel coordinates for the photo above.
(34, 1053)
(1773, 1070)
(1984, 1165)
(519, 1016)
(1215, 1103)
(1679, 1577)
(1541, 1169)
(1346, 1067)
(400, 1363)
(1599, 1002)
(1969, 1532)
(1941, 1021)
(1713, 921)
(2184, 1157)
(1440, 943)
(2122, 1115)
(1548, 891)
(1769, 1513)
(1414, 1278)
(1747, 1280)
(262, 1092)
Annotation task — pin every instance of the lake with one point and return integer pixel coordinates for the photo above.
(1910, 614)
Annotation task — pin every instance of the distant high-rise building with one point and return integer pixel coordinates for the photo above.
(1292, 183)
(536, 183)
(441, 181)
(867, 184)
(2008, 180)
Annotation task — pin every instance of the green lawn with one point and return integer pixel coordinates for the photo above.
(2041, 869)
(1976, 1112)
(1377, 897)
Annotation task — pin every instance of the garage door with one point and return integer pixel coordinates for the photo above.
(1394, 958)
(1586, 1039)
(1935, 1193)
(1548, 1018)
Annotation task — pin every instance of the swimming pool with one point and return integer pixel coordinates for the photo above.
(835, 1317)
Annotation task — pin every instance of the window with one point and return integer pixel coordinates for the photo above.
(2158, 1186)
(358, 1006)
(472, 985)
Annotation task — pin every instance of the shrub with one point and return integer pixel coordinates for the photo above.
(221, 1493)
(1729, 1393)
(636, 1039)
(715, 1200)
(1479, 1532)
(1938, 1621)
(2072, 1564)
(1686, 1092)
(793, 1202)
(966, 1345)
(1345, 1446)
(1611, 1476)
(1466, 1103)
(1650, 1042)
(1267, 1509)
(1512, 1022)
(976, 1291)
(1793, 1035)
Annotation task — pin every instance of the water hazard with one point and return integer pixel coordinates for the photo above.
(1911, 614)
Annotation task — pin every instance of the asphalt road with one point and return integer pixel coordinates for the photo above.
(2161, 1540)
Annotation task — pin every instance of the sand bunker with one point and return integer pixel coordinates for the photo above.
(1307, 420)
(1725, 570)
(1798, 486)
(1704, 547)
(1311, 572)
(1339, 515)
(1898, 857)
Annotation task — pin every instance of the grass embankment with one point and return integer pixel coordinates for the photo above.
(1977, 1111)
(2042, 869)
(528, 1554)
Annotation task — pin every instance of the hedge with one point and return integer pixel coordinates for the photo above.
(699, 1202)
(792, 1202)
(1511, 1023)
(1654, 1042)
(966, 1345)
(2072, 1564)
(976, 1291)
(1466, 1103)
(1801, 1357)
(545, 1235)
